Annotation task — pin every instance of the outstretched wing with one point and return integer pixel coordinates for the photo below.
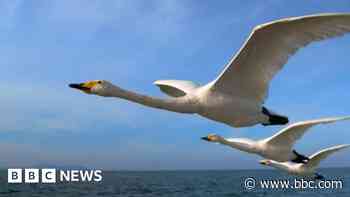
(288, 136)
(316, 158)
(269, 47)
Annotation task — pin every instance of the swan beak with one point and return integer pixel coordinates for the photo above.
(264, 162)
(81, 86)
(206, 138)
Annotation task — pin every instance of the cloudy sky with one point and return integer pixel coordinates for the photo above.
(45, 45)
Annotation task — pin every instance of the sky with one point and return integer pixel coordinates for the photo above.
(45, 45)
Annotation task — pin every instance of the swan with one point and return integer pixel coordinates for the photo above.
(278, 147)
(305, 169)
(236, 97)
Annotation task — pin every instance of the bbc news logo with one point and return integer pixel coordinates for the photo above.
(51, 175)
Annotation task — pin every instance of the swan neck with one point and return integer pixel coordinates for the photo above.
(246, 147)
(181, 105)
(279, 165)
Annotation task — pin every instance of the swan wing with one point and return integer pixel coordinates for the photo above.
(289, 135)
(316, 158)
(269, 47)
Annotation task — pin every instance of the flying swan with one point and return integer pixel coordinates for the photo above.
(236, 97)
(278, 147)
(305, 169)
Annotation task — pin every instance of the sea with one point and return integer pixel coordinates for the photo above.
(184, 183)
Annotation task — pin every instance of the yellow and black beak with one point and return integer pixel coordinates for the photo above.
(85, 87)
(264, 162)
(79, 86)
(206, 138)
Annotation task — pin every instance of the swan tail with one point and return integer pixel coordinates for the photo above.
(274, 118)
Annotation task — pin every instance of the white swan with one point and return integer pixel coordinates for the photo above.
(237, 95)
(278, 147)
(305, 169)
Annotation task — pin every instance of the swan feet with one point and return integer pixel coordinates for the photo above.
(274, 119)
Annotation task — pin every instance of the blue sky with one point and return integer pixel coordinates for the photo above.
(46, 45)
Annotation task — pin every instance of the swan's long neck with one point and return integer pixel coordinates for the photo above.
(280, 165)
(181, 105)
(240, 145)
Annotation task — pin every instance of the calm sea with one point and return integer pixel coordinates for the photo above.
(176, 183)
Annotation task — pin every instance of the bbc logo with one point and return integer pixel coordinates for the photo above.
(31, 175)
(51, 175)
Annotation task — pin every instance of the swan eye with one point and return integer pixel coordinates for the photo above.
(99, 82)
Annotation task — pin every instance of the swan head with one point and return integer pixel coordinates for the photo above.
(265, 162)
(97, 87)
(212, 138)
